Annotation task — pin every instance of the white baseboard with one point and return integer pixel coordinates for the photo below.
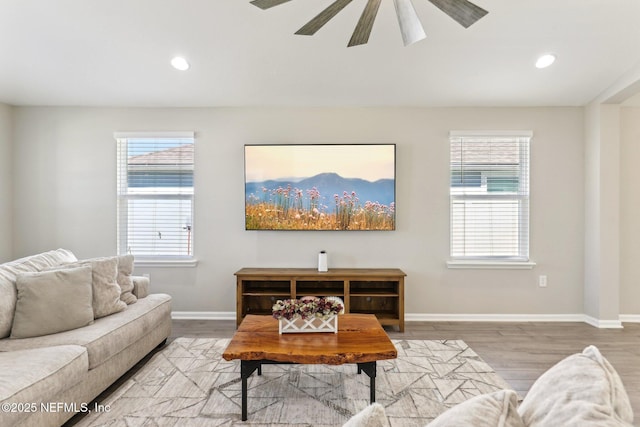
(203, 315)
(419, 317)
(630, 318)
(430, 317)
(603, 324)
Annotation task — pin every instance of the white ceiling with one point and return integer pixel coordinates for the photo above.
(117, 53)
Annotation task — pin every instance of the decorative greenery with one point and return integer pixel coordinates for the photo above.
(306, 308)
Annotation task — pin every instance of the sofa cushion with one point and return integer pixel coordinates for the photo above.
(49, 259)
(497, 409)
(108, 335)
(106, 292)
(582, 390)
(10, 270)
(371, 416)
(125, 281)
(52, 301)
(8, 298)
(38, 375)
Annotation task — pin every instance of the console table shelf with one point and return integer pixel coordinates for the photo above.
(378, 291)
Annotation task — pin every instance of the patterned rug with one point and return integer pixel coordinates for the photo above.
(189, 384)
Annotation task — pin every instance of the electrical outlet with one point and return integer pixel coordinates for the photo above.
(542, 281)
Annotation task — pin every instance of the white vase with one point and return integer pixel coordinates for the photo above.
(322, 261)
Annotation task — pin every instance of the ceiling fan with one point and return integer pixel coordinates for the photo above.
(462, 11)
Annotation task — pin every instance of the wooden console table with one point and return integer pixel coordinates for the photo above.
(378, 291)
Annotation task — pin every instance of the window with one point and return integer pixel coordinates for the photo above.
(155, 195)
(489, 195)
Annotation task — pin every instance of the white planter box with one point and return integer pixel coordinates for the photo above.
(315, 324)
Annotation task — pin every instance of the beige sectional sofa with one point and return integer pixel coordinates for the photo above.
(47, 379)
(582, 390)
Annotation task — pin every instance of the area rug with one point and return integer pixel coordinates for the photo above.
(189, 384)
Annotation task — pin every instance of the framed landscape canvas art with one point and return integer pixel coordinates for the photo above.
(320, 187)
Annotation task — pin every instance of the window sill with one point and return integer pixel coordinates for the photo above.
(171, 263)
(490, 264)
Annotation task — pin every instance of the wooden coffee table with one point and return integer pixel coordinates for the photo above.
(360, 339)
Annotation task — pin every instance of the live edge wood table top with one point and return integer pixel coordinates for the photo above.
(360, 340)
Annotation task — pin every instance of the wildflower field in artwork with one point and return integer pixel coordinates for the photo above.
(320, 187)
(292, 208)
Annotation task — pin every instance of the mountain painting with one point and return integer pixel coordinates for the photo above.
(320, 187)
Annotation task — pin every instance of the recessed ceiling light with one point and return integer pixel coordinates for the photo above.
(545, 60)
(179, 63)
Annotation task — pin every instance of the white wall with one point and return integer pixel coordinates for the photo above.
(611, 203)
(592, 211)
(6, 183)
(602, 214)
(65, 197)
(630, 211)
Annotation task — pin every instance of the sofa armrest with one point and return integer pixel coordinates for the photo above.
(140, 286)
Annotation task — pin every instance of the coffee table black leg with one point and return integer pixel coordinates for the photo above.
(369, 368)
(246, 369)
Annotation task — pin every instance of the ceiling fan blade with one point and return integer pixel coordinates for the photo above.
(365, 24)
(463, 11)
(266, 4)
(322, 18)
(410, 25)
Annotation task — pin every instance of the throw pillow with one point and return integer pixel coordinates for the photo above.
(10, 270)
(106, 292)
(371, 416)
(582, 390)
(8, 297)
(52, 301)
(497, 409)
(125, 270)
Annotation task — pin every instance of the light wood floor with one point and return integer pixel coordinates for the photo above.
(518, 352)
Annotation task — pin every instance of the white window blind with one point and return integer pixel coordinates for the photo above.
(489, 195)
(155, 194)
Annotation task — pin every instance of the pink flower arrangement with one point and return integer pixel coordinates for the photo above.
(306, 308)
